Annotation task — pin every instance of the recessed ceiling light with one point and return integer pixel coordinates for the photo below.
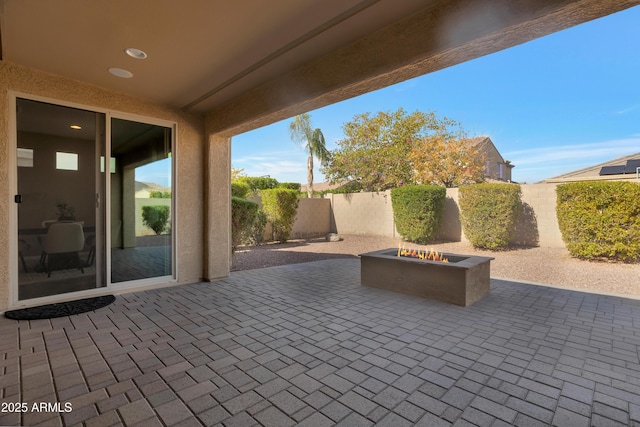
(76, 127)
(121, 73)
(135, 53)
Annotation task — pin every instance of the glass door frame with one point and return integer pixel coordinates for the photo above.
(131, 284)
(14, 302)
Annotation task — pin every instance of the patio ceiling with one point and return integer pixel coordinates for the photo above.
(252, 62)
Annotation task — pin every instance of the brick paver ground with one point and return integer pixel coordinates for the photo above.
(306, 344)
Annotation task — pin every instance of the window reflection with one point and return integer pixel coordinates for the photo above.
(141, 201)
(60, 223)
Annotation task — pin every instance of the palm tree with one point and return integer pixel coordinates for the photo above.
(313, 142)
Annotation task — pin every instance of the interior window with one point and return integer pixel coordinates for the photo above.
(67, 161)
(25, 158)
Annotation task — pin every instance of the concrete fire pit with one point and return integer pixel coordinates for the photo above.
(462, 281)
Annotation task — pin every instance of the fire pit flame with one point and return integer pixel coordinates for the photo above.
(431, 255)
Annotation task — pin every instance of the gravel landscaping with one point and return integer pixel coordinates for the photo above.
(545, 266)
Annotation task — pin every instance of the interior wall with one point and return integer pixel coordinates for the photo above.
(44, 186)
(187, 154)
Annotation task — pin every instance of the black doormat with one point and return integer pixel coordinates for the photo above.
(61, 309)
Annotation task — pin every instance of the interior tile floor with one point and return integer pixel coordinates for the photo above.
(136, 263)
(306, 344)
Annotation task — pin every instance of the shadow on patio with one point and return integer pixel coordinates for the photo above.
(306, 344)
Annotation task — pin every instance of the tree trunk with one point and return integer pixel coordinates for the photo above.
(310, 176)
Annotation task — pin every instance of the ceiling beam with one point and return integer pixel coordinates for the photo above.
(284, 49)
(447, 34)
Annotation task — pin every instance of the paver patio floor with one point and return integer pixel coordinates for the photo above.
(307, 344)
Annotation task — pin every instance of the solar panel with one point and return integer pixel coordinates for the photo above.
(632, 165)
(612, 170)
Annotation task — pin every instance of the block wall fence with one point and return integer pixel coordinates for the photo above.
(371, 214)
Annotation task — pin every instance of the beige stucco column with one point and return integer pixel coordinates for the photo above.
(217, 221)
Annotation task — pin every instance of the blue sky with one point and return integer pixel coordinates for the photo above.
(553, 105)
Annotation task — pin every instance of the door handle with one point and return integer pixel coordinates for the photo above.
(17, 198)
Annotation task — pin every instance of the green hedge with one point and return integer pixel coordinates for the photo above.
(489, 213)
(280, 205)
(243, 213)
(239, 189)
(256, 183)
(290, 185)
(155, 217)
(600, 219)
(417, 210)
(160, 194)
(255, 233)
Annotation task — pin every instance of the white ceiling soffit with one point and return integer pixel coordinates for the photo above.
(201, 53)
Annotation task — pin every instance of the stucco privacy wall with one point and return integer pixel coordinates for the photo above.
(539, 214)
(372, 214)
(363, 213)
(312, 219)
(188, 156)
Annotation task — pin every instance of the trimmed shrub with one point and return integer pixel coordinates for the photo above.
(290, 185)
(256, 183)
(160, 194)
(600, 219)
(255, 233)
(417, 210)
(489, 213)
(240, 189)
(155, 217)
(280, 205)
(243, 213)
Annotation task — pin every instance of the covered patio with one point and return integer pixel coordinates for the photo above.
(307, 344)
(298, 344)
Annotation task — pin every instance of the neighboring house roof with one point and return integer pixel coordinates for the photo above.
(485, 144)
(594, 171)
(322, 186)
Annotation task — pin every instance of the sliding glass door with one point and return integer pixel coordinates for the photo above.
(60, 190)
(141, 201)
(80, 192)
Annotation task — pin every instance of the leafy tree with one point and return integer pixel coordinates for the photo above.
(447, 159)
(237, 173)
(313, 142)
(375, 150)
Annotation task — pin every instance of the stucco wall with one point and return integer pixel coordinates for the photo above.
(372, 214)
(539, 213)
(363, 213)
(313, 218)
(188, 157)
